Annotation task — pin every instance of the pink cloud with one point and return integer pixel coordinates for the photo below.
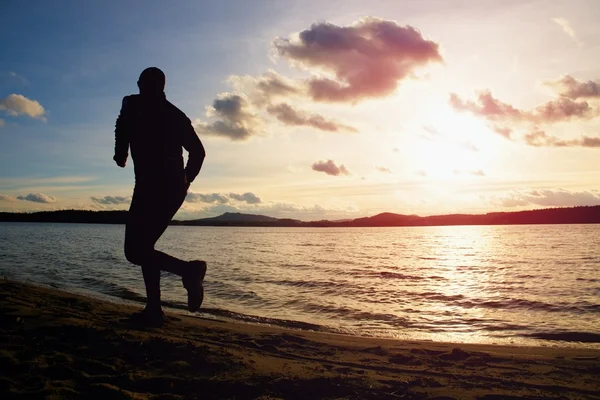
(368, 58)
(539, 138)
(487, 106)
(570, 87)
(563, 109)
(288, 116)
(504, 117)
(503, 131)
(330, 168)
(492, 109)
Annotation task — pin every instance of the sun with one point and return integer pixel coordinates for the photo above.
(450, 147)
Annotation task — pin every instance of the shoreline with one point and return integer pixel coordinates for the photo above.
(62, 345)
(543, 216)
(556, 339)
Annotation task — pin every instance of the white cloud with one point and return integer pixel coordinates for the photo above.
(249, 198)
(219, 198)
(16, 77)
(111, 200)
(385, 170)
(477, 172)
(5, 197)
(17, 104)
(566, 27)
(206, 198)
(548, 198)
(272, 209)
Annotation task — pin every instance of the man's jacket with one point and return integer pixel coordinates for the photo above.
(157, 133)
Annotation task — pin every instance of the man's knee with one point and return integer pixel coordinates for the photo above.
(136, 254)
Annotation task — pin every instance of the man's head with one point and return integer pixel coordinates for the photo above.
(151, 80)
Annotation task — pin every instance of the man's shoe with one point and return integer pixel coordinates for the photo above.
(193, 283)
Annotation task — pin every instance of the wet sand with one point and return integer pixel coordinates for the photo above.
(58, 345)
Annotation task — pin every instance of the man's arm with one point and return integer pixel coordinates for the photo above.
(196, 151)
(122, 134)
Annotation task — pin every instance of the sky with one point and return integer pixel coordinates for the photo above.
(310, 109)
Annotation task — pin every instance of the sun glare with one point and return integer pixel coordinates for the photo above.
(450, 147)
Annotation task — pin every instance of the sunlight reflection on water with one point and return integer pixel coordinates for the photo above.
(489, 284)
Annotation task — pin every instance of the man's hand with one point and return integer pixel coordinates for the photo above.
(120, 161)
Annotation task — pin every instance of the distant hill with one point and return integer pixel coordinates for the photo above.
(71, 216)
(239, 219)
(566, 215)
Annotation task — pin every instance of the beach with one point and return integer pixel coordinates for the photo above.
(59, 345)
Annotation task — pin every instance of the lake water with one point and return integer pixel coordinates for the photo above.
(524, 285)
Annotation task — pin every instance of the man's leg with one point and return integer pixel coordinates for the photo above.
(149, 216)
(139, 246)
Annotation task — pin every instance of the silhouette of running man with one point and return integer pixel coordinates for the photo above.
(156, 131)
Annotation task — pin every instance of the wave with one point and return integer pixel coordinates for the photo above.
(361, 273)
(566, 336)
(111, 289)
(265, 320)
(532, 305)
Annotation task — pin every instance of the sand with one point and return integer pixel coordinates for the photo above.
(58, 345)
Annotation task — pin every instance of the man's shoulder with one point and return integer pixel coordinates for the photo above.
(131, 98)
(176, 112)
(130, 102)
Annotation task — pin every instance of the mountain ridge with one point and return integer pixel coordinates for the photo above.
(558, 215)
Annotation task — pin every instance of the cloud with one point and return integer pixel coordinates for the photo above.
(503, 131)
(539, 138)
(206, 198)
(504, 117)
(547, 197)
(111, 200)
(16, 77)
(492, 109)
(219, 198)
(477, 172)
(486, 106)
(2, 122)
(38, 198)
(468, 146)
(264, 88)
(384, 170)
(571, 88)
(273, 209)
(563, 109)
(368, 58)
(431, 130)
(288, 116)
(566, 27)
(586, 141)
(249, 198)
(5, 197)
(330, 168)
(17, 104)
(12, 77)
(236, 120)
